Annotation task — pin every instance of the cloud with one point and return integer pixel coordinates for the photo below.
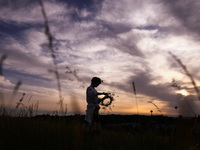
(17, 12)
(4, 82)
(110, 29)
(128, 45)
(187, 13)
(19, 60)
(145, 85)
(119, 41)
(84, 11)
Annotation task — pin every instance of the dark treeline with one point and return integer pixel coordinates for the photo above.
(124, 131)
(116, 119)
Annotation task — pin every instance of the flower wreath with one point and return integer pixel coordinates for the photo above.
(106, 104)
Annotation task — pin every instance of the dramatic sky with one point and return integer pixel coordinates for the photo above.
(120, 41)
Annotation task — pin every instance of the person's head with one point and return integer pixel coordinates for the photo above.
(96, 81)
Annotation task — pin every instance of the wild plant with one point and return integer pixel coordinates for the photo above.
(175, 84)
(190, 77)
(22, 110)
(53, 55)
(3, 58)
(3, 111)
(187, 127)
(134, 90)
(20, 101)
(75, 74)
(155, 106)
(16, 88)
(187, 73)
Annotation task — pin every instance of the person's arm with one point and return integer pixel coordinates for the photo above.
(102, 93)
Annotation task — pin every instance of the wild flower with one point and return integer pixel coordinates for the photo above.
(106, 104)
(151, 111)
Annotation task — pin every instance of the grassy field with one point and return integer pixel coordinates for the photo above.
(54, 132)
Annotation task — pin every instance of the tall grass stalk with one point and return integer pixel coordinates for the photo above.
(134, 89)
(189, 106)
(187, 128)
(3, 57)
(22, 110)
(156, 107)
(30, 98)
(15, 90)
(50, 44)
(187, 73)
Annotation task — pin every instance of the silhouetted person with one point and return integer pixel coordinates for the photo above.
(92, 112)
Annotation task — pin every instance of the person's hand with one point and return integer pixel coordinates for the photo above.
(106, 96)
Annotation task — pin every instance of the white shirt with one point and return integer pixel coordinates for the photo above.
(92, 100)
(92, 97)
